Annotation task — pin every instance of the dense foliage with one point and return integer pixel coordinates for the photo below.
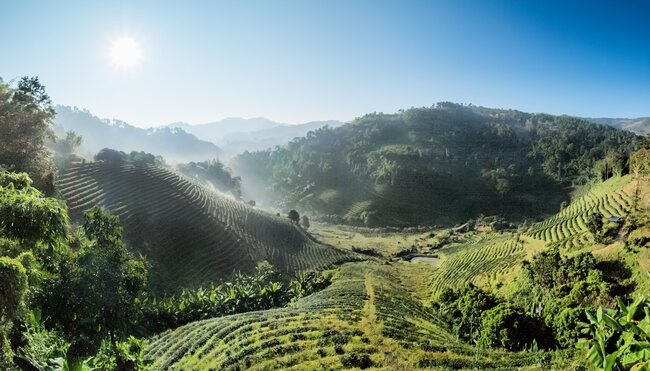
(264, 289)
(26, 115)
(13, 287)
(114, 157)
(442, 164)
(618, 339)
(479, 317)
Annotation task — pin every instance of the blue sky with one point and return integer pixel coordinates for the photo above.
(297, 61)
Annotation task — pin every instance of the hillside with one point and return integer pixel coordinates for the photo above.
(392, 316)
(175, 145)
(191, 235)
(366, 318)
(441, 165)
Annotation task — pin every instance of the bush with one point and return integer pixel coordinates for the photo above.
(44, 348)
(111, 157)
(566, 326)
(356, 359)
(466, 307)
(125, 356)
(508, 328)
(13, 287)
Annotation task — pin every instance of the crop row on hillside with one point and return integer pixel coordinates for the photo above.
(366, 318)
(569, 226)
(461, 264)
(192, 235)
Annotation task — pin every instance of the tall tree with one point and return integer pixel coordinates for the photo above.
(110, 278)
(26, 115)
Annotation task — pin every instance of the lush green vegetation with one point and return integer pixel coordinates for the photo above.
(160, 272)
(26, 115)
(437, 165)
(366, 318)
(620, 337)
(573, 227)
(87, 292)
(264, 289)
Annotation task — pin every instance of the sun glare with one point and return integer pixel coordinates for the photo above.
(125, 53)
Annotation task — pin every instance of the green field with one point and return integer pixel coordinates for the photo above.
(367, 313)
(568, 227)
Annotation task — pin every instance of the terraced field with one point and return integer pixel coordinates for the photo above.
(485, 255)
(568, 228)
(191, 235)
(366, 318)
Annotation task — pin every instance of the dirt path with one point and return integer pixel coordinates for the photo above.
(373, 330)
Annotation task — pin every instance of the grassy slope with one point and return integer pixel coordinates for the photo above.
(367, 310)
(382, 310)
(190, 234)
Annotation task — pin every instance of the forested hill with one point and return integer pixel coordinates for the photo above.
(174, 144)
(443, 164)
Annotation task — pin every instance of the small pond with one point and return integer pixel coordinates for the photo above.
(425, 259)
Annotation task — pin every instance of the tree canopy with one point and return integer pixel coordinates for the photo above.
(26, 115)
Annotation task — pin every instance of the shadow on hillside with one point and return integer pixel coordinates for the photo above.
(618, 274)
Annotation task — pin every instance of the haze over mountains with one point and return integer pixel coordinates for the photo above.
(182, 142)
(173, 144)
(236, 135)
(639, 126)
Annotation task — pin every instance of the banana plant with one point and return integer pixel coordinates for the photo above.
(619, 338)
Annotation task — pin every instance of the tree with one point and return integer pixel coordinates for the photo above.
(305, 222)
(111, 157)
(13, 287)
(28, 217)
(640, 167)
(294, 216)
(465, 307)
(64, 150)
(595, 223)
(26, 115)
(506, 327)
(109, 279)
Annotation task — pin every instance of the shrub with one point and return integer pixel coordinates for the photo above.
(126, 355)
(13, 287)
(356, 359)
(466, 307)
(43, 348)
(508, 328)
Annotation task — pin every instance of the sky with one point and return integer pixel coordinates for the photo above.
(299, 61)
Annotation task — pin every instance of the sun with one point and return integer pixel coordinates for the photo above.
(125, 53)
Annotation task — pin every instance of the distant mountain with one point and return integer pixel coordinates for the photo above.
(239, 142)
(216, 131)
(639, 126)
(236, 135)
(174, 144)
